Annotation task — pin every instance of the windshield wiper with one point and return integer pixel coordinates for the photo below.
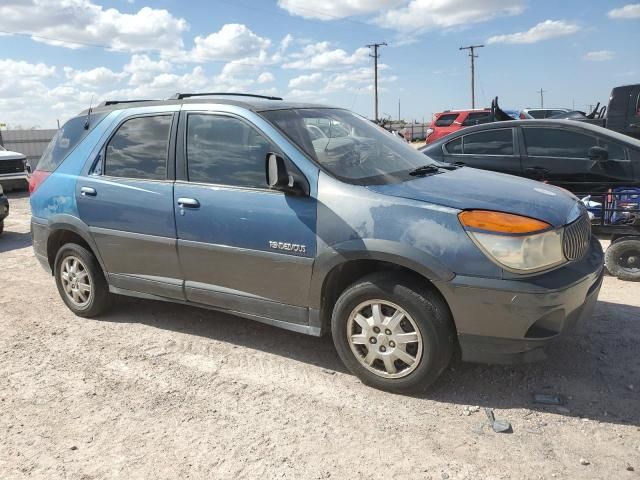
(425, 170)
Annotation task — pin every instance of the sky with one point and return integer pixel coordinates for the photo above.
(59, 56)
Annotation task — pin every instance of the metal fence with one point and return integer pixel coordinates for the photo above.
(31, 143)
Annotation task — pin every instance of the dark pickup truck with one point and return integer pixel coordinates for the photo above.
(621, 115)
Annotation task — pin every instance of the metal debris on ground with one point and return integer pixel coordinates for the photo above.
(499, 426)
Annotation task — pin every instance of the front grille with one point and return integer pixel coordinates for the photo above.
(11, 166)
(577, 237)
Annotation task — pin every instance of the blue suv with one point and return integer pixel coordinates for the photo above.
(316, 220)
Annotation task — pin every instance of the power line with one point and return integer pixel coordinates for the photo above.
(375, 56)
(472, 55)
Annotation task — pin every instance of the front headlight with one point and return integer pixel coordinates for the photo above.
(516, 243)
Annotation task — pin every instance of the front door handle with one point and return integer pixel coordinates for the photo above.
(88, 192)
(188, 203)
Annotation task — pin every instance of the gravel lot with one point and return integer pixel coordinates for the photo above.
(153, 390)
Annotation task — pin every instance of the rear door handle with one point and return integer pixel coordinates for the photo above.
(88, 192)
(538, 170)
(188, 203)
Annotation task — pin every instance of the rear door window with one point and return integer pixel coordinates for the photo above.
(476, 118)
(491, 142)
(556, 142)
(445, 120)
(139, 149)
(66, 139)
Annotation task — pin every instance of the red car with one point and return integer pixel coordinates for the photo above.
(451, 121)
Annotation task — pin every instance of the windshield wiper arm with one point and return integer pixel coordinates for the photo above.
(424, 170)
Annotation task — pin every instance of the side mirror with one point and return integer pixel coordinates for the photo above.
(599, 154)
(279, 178)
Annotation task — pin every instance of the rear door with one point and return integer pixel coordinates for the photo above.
(494, 149)
(126, 198)
(242, 246)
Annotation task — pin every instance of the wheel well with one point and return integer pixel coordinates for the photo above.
(618, 238)
(346, 274)
(58, 238)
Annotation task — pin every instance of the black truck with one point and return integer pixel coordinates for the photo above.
(621, 115)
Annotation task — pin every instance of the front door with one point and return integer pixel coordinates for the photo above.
(127, 201)
(242, 247)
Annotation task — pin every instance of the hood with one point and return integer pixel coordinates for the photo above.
(7, 155)
(468, 188)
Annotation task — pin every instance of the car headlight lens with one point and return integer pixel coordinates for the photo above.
(516, 243)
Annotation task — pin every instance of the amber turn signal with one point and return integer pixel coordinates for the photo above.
(500, 222)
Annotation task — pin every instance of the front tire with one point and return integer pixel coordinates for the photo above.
(393, 334)
(81, 282)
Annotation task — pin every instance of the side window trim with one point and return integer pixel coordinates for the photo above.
(182, 168)
(526, 152)
(97, 168)
(513, 144)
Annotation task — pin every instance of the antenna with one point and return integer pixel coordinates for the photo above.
(88, 119)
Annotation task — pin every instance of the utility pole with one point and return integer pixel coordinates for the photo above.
(541, 92)
(473, 56)
(375, 56)
(398, 109)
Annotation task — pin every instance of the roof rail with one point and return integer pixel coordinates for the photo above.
(180, 96)
(116, 102)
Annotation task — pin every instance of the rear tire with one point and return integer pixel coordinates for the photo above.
(393, 334)
(81, 282)
(622, 259)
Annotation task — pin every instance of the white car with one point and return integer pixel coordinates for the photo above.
(13, 169)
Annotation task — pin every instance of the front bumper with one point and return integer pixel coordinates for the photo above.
(14, 176)
(511, 320)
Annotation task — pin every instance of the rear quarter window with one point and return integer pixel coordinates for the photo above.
(66, 139)
(446, 119)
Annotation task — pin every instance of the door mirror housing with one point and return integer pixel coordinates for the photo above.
(599, 154)
(279, 177)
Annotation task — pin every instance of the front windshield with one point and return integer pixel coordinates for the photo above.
(348, 146)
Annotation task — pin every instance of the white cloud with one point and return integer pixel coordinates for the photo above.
(543, 31)
(265, 77)
(599, 56)
(97, 77)
(320, 56)
(231, 42)
(305, 80)
(429, 14)
(20, 68)
(332, 9)
(631, 10)
(143, 69)
(71, 23)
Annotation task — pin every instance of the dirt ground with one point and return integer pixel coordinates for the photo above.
(153, 390)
